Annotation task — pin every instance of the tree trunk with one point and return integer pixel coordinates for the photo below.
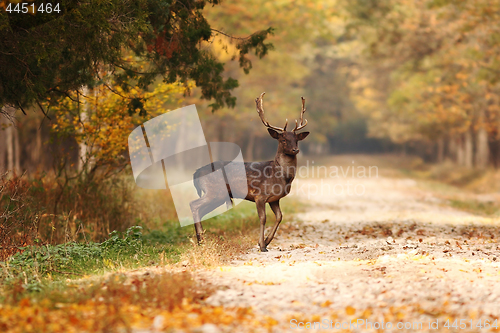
(440, 150)
(452, 148)
(494, 147)
(17, 150)
(3, 147)
(83, 148)
(482, 149)
(249, 149)
(259, 149)
(181, 144)
(460, 148)
(468, 150)
(9, 138)
(10, 147)
(36, 150)
(403, 149)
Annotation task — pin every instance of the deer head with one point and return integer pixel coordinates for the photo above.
(288, 142)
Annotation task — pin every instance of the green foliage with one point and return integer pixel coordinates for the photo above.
(42, 260)
(37, 265)
(89, 43)
(131, 242)
(255, 41)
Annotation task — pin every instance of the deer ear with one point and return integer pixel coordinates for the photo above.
(273, 133)
(302, 136)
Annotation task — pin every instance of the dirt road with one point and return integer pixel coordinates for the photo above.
(391, 256)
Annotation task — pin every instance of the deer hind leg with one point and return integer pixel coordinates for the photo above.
(199, 232)
(261, 210)
(195, 210)
(201, 207)
(275, 206)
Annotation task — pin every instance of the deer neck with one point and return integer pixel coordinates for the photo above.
(286, 165)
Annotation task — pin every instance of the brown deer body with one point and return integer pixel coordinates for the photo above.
(266, 182)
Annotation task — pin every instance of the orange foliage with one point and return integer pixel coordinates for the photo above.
(163, 46)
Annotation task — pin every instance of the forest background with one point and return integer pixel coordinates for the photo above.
(407, 77)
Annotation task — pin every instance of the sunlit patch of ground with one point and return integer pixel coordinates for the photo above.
(394, 254)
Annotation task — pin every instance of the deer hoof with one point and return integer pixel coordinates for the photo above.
(263, 250)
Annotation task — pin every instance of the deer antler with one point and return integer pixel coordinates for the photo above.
(302, 124)
(260, 111)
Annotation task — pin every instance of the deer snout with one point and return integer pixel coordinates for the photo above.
(295, 150)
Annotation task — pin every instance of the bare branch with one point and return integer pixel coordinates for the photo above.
(232, 37)
(43, 111)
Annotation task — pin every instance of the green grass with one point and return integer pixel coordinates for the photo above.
(40, 267)
(39, 271)
(476, 207)
(241, 220)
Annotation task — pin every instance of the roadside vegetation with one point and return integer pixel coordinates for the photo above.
(471, 190)
(67, 272)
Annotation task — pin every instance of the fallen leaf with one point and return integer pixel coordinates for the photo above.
(350, 310)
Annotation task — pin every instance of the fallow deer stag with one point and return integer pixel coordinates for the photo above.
(266, 182)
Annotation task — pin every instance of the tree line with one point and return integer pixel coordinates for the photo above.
(379, 76)
(428, 73)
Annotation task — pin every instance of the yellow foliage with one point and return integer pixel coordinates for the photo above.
(101, 119)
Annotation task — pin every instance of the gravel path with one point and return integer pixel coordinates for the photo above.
(394, 258)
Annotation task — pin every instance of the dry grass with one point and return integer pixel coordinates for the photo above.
(153, 207)
(216, 251)
(18, 222)
(155, 298)
(44, 209)
(47, 210)
(117, 302)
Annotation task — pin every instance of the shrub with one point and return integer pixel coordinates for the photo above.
(18, 218)
(45, 209)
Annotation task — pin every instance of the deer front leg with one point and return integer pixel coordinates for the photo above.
(261, 210)
(275, 206)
